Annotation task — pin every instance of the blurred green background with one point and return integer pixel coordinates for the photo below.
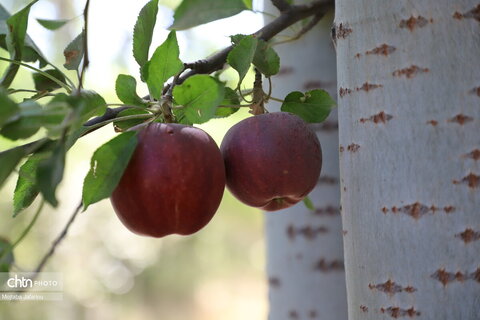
(110, 273)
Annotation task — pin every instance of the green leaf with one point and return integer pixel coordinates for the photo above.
(231, 99)
(16, 32)
(107, 166)
(191, 13)
(126, 89)
(87, 105)
(6, 256)
(52, 24)
(74, 52)
(266, 59)
(163, 65)
(50, 173)
(241, 56)
(43, 83)
(248, 4)
(8, 108)
(124, 125)
(26, 124)
(8, 161)
(308, 203)
(313, 106)
(200, 95)
(26, 189)
(143, 32)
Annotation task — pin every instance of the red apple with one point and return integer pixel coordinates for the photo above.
(173, 183)
(272, 160)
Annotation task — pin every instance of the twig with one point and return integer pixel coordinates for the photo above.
(309, 26)
(86, 60)
(281, 5)
(59, 239)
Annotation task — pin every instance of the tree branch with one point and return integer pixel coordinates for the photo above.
(281, 5)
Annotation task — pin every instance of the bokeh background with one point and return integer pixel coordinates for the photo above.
(110, 273)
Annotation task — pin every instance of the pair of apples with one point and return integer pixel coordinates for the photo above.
(175, 180)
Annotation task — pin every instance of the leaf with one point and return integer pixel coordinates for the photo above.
(308, 203)
(26, 189)
(191, 13)
(16, 31)
(143, 32)
(52, 24)
(87, 105)
(43, 83)
(200, 95)
(163, 65)
(313, 106)
(248, 4)
(124, 125)
(26, 124)
(266, 59)
(126, 89)
(8, 108)
(231, 99)
(50, 173)
(8, 161)
(74, 52)
(241, 56)
(6, 256)
(107, 166)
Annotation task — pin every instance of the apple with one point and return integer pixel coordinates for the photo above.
(173, 183)
(272, 160)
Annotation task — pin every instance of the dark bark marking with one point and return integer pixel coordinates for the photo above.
(341, 149)
(368, 87)
(409, 72)
(326, 126)
(414, 22)
(445, 277)
(389, 287)
(432, 122)
(323, 265)
(344, 232)
(327, 180)
(383, 50)
(358, 55)
(363, 308)
(309, 232)
(274, 282)
(472, 14)
(461, 119)
(317, 84)
(312, 314)
(475, 91)
(284, 71)
(353, 147)
(327, 211)
(469, 235)
(377, 118)
(417, 210)
(396, 312)
(343, 31)
(474, 154)
(472, 180)
(344, 91)
(293, 314)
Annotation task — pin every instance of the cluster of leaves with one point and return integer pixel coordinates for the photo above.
(60, 107)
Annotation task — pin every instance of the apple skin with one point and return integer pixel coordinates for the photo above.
(272, 160)
(173, 183)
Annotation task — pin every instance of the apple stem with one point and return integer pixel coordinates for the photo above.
(257, 107)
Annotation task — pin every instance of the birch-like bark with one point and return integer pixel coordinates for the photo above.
(409, 119)
(304, 248)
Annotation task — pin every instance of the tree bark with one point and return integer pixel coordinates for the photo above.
(409, 119)
(304, 248)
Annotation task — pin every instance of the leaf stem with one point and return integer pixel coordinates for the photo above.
(43, 73)
(103, 123)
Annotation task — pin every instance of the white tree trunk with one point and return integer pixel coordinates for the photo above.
(304, 248)
(409, 118)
